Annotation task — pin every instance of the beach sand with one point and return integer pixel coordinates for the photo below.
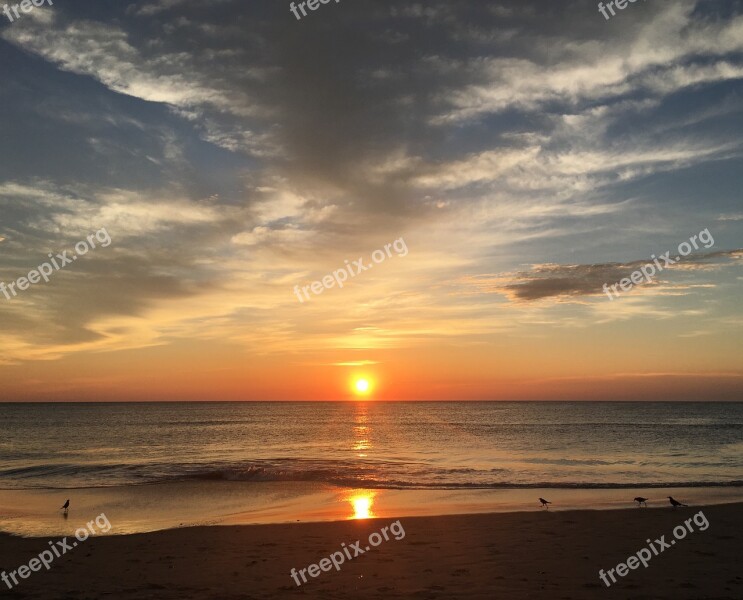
(539, 554)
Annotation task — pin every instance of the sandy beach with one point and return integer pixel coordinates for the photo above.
(539, 554)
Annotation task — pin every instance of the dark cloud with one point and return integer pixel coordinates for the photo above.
(576, 281)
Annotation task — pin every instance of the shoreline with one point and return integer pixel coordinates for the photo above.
(159, 507)
(538, 554)
(525, 511)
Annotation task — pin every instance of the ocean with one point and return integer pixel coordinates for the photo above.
(250, 452)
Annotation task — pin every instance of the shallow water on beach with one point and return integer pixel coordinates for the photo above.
(137, 509)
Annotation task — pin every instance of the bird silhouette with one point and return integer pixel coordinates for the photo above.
(66, 506)
(640, 501)
(545, 502)
(675, 503)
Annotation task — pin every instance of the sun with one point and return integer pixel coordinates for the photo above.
(362, 386)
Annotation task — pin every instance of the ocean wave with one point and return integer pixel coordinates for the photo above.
(337, 473)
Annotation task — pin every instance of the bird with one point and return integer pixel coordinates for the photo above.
(640, 501)
(675, 503)
(66, 506)
(545, 502)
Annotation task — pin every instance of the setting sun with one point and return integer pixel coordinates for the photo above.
(362, 386)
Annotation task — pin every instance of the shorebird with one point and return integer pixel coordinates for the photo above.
(66, 505)
(545, 502)
(640, 501)
(675, 503)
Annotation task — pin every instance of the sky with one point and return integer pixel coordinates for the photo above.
(514, 157)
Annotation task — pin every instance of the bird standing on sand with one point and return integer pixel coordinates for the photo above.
(545, 502)
(640, 501)
(66, 506)
(675, 503)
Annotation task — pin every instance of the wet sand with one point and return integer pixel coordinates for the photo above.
(147, 508)
(539, 554)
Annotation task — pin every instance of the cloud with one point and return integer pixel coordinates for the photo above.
(655, 58)
(573, 282)
(232, 153)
